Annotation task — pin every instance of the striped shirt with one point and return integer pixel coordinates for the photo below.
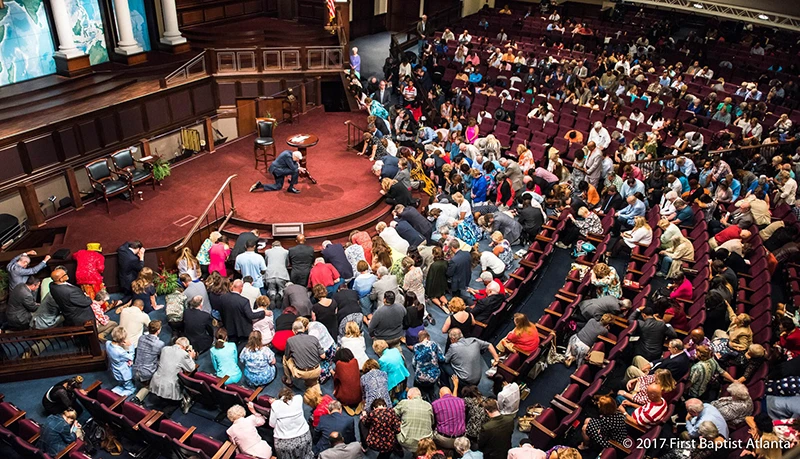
(651, 413)
(450, 414)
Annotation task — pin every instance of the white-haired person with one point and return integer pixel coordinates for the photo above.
(287, 164)
(243, 432)
(735, 407)
(463, 448)
(165, 383)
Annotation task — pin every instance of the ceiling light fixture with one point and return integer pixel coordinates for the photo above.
(698, 6)
(763, 17)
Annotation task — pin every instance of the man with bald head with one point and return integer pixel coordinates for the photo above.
(650, 414)
(697, 337)
(236, 313)
(75, 306)
(450, 414)
(301, 259)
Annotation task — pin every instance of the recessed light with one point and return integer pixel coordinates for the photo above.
(763, 17)
(698, 6)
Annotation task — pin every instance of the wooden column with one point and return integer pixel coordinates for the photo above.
(209, 129)
(303, 96)
(32, 208)
(319, 91)
(74, 190)
(146, 151)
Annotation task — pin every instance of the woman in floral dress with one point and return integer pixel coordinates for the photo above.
(258, 360)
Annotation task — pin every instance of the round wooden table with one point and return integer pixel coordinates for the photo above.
(308, 141)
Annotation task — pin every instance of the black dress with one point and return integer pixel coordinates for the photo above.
(326, 315)
(465, 327)
(436, 280)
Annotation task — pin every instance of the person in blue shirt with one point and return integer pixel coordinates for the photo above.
(761, 182)
(624, 221)
(224, 358)
(631, 186)
(700, 412)
(736, 188)
(251, 264)
(58, 431)
(287, 164)
(480, 185)
(684, 182)
(684, 215)
(120, 359)
(426, 135)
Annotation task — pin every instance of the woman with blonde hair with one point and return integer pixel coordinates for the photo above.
(188, 264)
(729, 344)
(525, 158)
(391, 361)
(637, 388)
(203, 254)
(523, 338)
(640, 234)
(606, 279)
(396, 193)
(143, 289)
(502, 248)
(354, 341)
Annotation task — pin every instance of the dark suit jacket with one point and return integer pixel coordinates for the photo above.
(386, 99)
(283, 164)
(459, 270)
(417, 220)
(678, 365)
(21, 305)
(75, 306)
(652, 334)
(495, 437)
(241, 241)
(334, 254)
(129, 267)
(613, 202)
(301, 257)
(484, 307)
(197, 327)
(237, 315)
(334, 422)
(407, 232)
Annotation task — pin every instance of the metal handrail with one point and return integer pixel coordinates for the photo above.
(354, 132)
(211, 205)
(183, 69)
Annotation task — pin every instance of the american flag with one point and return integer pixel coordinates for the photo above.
(331, 10)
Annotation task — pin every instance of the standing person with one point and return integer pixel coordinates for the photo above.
(423, 30)
(416, 420)
(250, 263)
(436, 280)
(459, 271)
(89, 272)
(224, 358)
(495, 437)
(258, 360)
(287, 164)
(120, 359)
(202, 254)
(19, 270)
(218, 256)
(301, 258)
(277, 275)
(73, 303)
(243, 434)
(145, 363)
(292, 434)
(165, 383)
(237, 315)
(130, 260)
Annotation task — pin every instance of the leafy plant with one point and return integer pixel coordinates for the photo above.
(3, 282)
(165, 281)
(161, 168)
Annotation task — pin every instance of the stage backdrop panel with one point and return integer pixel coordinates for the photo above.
(87, 27)
(26, 45)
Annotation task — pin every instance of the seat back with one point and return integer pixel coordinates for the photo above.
(122, 159)
(199, 390)
(226, 398)
(207, 444)
(98, 170)
(265, 127)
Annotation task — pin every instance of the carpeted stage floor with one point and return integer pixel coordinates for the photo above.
(345, 186)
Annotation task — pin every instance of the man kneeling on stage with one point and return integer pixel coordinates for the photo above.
(285, 165)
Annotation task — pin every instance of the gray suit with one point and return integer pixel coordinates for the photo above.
(387, 283)
(342, 451)
(21, 305)
(197, 288)
(594, 167)
(515, 174)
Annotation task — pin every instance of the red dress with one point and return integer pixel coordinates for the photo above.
(89, 272)
(362, 238)
(347, 383)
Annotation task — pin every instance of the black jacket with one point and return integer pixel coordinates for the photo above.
(237, 315)
(399, 194)
(459, 270)
(407, 232)
(21, 305)
(417, 220)
(611, 202)
(129, 267)
(484, 307)
(197, 327)
(301, 257)
(241, 242)
(678, 365)
(74, 304)
(531, 219)
(652, 333)
(334, 254)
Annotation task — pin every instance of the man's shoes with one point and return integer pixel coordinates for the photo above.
(293, 190)
(255, 186)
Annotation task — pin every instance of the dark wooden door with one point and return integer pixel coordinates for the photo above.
(402, 14)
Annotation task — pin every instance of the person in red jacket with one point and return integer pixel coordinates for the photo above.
(89, 273)
(790, 337)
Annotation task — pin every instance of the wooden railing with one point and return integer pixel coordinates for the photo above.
(221, 210)
(195, 68)
(355, 135)
(57, 351)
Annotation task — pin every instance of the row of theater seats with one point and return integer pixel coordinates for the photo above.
(587, 380)
(22, 434)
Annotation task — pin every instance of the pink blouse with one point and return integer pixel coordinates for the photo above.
(217, 255)
(244, 435)
(472, 134)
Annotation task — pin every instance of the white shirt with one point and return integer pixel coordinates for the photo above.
(251, 293)
(134, 321)
(639, 236)
(601, 138)
(465, 207)
(489, 261)
(288, 419)
(394, 241)
(358, 347)
(625, 127)
(638, 119)
(508, 399)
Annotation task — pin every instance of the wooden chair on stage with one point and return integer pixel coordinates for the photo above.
(125, 164)
(264, 129)
(107, 183)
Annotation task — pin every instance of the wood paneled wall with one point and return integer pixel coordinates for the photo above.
(72, 142)
(197, 12)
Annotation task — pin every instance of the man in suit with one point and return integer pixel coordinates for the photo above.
(334, 254)
(423, 30)
(287, 164)
(193, 288)
(336, 421)
(383, 94)
(514, 173)
(301, 258)
(459, 271)
(610, 200)
(130, 260)
(495, 438)
(408, 233)
(652, 332)
(485, 306)
(386, 283)
(22, 304)
(416, 219)
(197, 325)
(677, 362)
(236, 313)
(74, 304)
(340, 450)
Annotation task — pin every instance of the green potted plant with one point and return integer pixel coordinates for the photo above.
(165, 281)
(161, 168)
(3, 285)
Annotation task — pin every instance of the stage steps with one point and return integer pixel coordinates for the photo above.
(62, 88)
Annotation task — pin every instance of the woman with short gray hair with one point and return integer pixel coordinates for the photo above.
(735, 407)
(243, 434)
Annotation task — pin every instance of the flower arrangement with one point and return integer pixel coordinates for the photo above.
(165, 281)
